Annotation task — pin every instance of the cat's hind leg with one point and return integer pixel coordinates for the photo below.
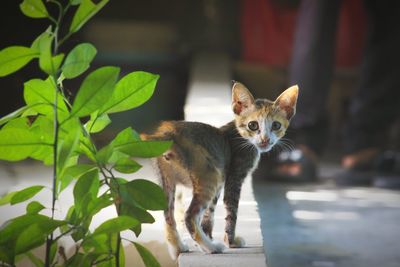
(175, 243)
(208, 218)
(194, 215)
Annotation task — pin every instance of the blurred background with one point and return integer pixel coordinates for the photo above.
(162, 37)
(303, 225)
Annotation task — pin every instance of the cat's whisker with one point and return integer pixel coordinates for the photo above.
(284, 145)
(244, 145)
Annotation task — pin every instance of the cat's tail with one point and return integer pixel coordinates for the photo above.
(164, 132)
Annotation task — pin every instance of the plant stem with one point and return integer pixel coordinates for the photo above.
(54, 187)
(118, 207)
(64, 234)
(118, 251)
(101, 260)
(49, 240)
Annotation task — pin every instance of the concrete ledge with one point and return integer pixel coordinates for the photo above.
(251, 257)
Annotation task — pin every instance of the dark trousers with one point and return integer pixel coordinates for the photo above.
(376, 102)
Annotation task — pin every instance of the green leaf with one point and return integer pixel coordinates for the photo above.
(56, 62)
(7, 254)
(147, 194)
(34, 9)
(79, 170)
(11, 229)
(18, 144)
(144, 149)
(104, 246)
(45, 59)
(71, 173)
(15, 57)
(98, 204)
(131, 91)
(108, 154)
(95, 91)
(85, 147)
(148, 259)
(36, 44)
(122, 256)
(115, 225)
(35, 260)
(126, 135)
(104, 154)
(7, 198)
(125, 165)
(40, 95)
(26, 194)
(128, 141)
(86, 259)
(53, 250)
(34, 207)
(42, 128)
(82, 260)
(67, 146)
(17, 123)
(138, 213)
(71, 217)
(35, 235)
(86, 188)
(86, 10)
(13, 115)
(47, 62)
(99, 243)
(80, 233)
(75, 2)
(97, 123)
(78, 60)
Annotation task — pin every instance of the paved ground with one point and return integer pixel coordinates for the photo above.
(325, 226)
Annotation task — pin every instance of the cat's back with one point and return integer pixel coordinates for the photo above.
(196, 133)
(194, 139)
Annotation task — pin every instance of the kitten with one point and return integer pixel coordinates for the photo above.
(210, 159)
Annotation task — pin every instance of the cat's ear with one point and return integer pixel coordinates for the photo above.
(287, 101)
(242, 99)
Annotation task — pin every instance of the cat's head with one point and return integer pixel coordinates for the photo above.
(263, 122)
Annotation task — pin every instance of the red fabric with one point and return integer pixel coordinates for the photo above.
(267, 33)
(351, 33)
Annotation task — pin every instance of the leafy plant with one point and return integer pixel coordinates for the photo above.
(57, 131)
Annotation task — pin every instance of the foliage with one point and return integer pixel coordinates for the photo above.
(57, 131)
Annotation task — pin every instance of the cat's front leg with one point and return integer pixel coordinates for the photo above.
(231, 200)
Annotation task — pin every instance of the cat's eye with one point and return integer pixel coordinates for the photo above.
(253, 125)
(276, 125)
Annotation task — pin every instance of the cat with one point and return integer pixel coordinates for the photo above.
(210, 159)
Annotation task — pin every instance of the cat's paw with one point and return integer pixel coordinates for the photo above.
(183, 247)
(238, 242)
(217, 247)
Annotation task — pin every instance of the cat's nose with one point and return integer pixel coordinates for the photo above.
(264, 141)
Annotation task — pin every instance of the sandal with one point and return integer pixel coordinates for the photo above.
(297, 165)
